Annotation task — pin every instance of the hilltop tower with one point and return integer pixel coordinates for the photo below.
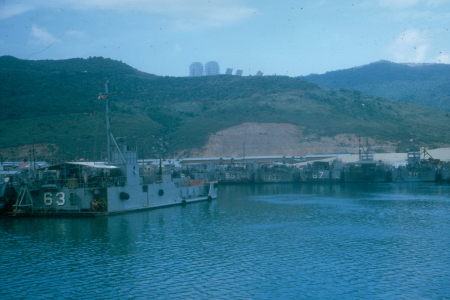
(212, 68)
(196, 69)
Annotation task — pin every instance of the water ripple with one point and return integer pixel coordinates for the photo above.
(275, 242)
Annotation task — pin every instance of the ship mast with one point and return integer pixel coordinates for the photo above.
(108, 125)
(109, 136)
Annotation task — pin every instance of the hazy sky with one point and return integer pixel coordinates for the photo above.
(285, 37)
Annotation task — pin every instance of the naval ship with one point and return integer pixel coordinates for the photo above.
(121, 184)
(420, 167)
(366, 169)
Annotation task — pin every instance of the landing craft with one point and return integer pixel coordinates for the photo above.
(118, 185)
(366, 169)
(420, 167)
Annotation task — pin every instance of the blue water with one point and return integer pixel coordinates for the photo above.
(255, 242)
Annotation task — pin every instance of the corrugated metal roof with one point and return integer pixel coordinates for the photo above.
(92, 164)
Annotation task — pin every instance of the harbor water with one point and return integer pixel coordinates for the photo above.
(373, 241)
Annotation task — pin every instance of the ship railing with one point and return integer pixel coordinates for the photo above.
(73, 183)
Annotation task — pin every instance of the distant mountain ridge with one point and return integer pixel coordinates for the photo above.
(423, 84)
(54, 105)
(91, 64)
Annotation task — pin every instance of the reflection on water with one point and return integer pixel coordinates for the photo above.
(255, 241)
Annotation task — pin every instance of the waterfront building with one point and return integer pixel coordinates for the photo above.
(229, 71)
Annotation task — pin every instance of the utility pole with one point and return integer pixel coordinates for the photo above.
(33, 155)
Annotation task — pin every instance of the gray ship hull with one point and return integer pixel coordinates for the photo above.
(419, 176)
(113, 200)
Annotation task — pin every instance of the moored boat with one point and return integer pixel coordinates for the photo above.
(100, 188)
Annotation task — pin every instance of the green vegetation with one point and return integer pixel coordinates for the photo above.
(56, 102)
(423, 84)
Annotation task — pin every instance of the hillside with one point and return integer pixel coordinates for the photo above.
(423, 84)
(53, 105)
